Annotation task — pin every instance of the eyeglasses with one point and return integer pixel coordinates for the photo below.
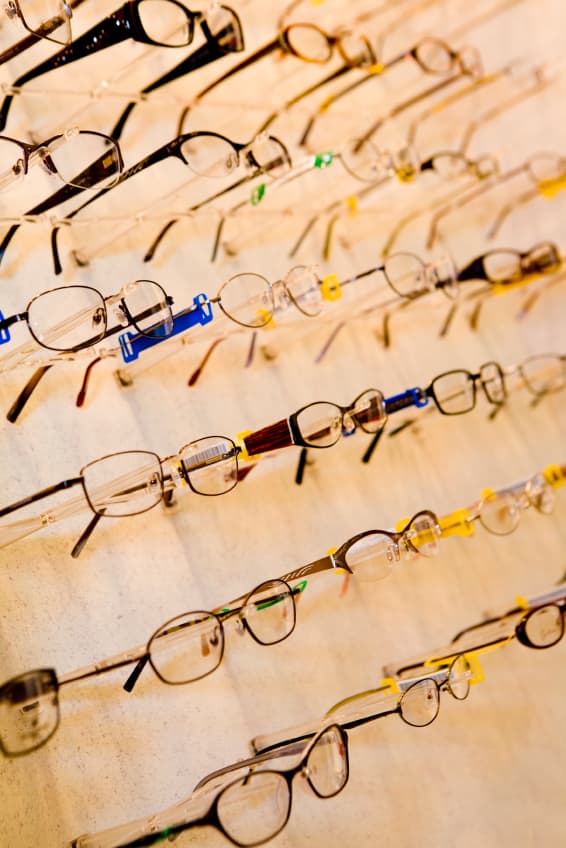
(431, 55)
(249, 809)
(222, 29)
(72, 318)
(321, 424)
(184, 649)
(502, 267)
(132, 482)
(49, 19)
(500, 512)
(80, 158)
(415, 701)
(162, 23)
(543, 374)
(538, 624)
(455, 392)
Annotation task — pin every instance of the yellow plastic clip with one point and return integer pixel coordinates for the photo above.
(330, 288)
(267, 319)
(244, 455)
(352, 204)
(554, 476)
(458, 523)
(346, 581)
(475, 667)
(486, 493)
(522, 602)
(377, 68)
(501, 288)
(550, 188)
(391, 684)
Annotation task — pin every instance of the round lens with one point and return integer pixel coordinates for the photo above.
(459, 678)
(502, 266)
(368, 411)
(187, 648)
(149, 310)
(470, 61)
(544, 374)
(327, 763)
(47, 19)
(500, 513)
(372, 557)
(270, 155)
(420, 703)
(209, 155)
(303, 287)
(434, 56)
(12, 163)
(449, 165)
(255, 808)
(247, 299)
(83, 159)
(454, 392)
(269, 612)
(493, 382)
(308, 42)
(29, 711)
(544, 627)
(166, 23)
(123, 483)
(355, 49)
(68, 318)
(363, 160)
(320, 424)
(424, 533)
(406, 274)
(210, 465)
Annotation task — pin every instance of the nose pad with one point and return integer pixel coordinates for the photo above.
(348, 425)
(392, 552)
(153, 484)
(10, 10)
(97, 317)
(240, 627)
(231, 163)
(120, 315)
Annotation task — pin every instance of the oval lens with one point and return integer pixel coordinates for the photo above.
(493, 382)
(209, 155)
(420, 703)
(83, 159)
(123, 483)
(500, 513)
(29, 711)
(424, 534)
(470, 61)
(544, 374)
(303, 287)
(434, 56)
(502, 266)
(544, 627)
(12, 163)
(248, 300)
(454, 392)
(270, 155)
(327, 763)
(269, 612)
(406, 274)
(355, 49)
(187, 647)
(165, 23)
(369, 411)
(364, 160)
(68, 318)
(308, 42)
(372, 557)
(459, 677)
(149, 310)
(547, 167)
(255, 808)
(320, 424)
(210, 465)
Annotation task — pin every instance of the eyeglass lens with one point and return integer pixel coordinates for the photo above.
(29, 711)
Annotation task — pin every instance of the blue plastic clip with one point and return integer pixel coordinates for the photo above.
(4, 334)
(412, 397)
(132, 344)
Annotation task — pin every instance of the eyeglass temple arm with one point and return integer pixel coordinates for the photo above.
(207, 53)
(43, 493)
(21, 400)
(110, 664)
(245, 63)
(269, 438)
(113, 29)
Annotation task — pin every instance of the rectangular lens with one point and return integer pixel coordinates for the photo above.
(67, 318)
(148, 308)
(320, 424)
(29, 711)
(123, 483)
(454, 392)
(187, 647)
(210, 465)
(544, 374)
